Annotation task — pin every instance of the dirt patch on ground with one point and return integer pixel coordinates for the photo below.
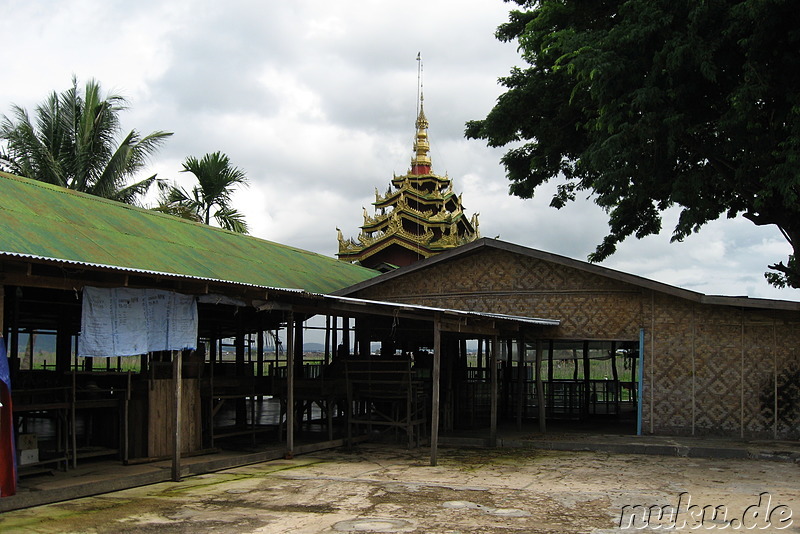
(379, 488)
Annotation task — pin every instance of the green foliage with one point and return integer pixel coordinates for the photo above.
(216, 179)
(71, 142)
(650, 104)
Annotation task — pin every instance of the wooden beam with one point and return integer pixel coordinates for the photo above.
(470, 328)
(437, 371)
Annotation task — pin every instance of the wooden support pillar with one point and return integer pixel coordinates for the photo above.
(463, 363)
(241, 403)
(2, 310)
(362, 339)
(479, 363)
(290, 386)
(335, 337)
(540, 403)
(437, 371)
(520, 379)
(299, 367)
(634, 377)
(13, 344)
(176, 451)
(615, 376)
(298, 348)
(212, 350)
(550, 372)
(493, 401)
(327, 339)
(346, 335)
(260, 353)
(587, 376)
(575, 362)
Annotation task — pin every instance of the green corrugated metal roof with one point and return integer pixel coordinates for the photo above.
(39, 219)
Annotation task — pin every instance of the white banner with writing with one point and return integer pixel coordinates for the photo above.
(126, 322)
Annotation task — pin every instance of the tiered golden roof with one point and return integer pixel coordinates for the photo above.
(419, 216)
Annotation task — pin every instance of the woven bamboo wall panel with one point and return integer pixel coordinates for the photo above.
(788, 383)
(709, 369)
(671, 376)
(718, 377)
(588, 305)
(668, 363)
(759, 380)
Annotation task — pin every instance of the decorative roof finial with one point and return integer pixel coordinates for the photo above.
(421, 162)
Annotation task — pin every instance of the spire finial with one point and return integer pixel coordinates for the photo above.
(419, 80)
(421, 162)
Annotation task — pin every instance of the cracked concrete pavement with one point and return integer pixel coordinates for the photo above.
(382, 488)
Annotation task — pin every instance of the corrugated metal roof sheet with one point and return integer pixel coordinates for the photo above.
(44, 221)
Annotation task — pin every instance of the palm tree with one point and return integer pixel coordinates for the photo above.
(72, 143)
(211, 197)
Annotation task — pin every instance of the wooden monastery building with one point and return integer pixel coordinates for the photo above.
(690, 364)
(461, 333)
(96, 282)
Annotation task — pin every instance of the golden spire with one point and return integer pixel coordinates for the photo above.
(421, 162)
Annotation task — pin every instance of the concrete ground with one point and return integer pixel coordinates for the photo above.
(382, 488)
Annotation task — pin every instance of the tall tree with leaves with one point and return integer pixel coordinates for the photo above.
(72, 142)
(211, 197)
(657, 103)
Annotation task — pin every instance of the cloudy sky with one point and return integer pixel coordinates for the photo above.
(316, 101)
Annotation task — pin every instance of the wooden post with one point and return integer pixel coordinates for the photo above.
(480, 359)
(520, 379)
(327, 339)
(493, 402)
(437, 370)
(73, 418)
(615, 376)
(290, 386)
(335, 338)
(63, 341)
(260, 353)
(125, 421)
(12, 346)
(239, 366)
(2, 309)
(587, 376)
(176, 452)
(540, 387)
(575, 362)
(346, 335)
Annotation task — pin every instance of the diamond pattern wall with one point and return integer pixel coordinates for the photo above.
(709, 369)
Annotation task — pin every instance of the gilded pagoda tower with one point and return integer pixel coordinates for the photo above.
(419, 215)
